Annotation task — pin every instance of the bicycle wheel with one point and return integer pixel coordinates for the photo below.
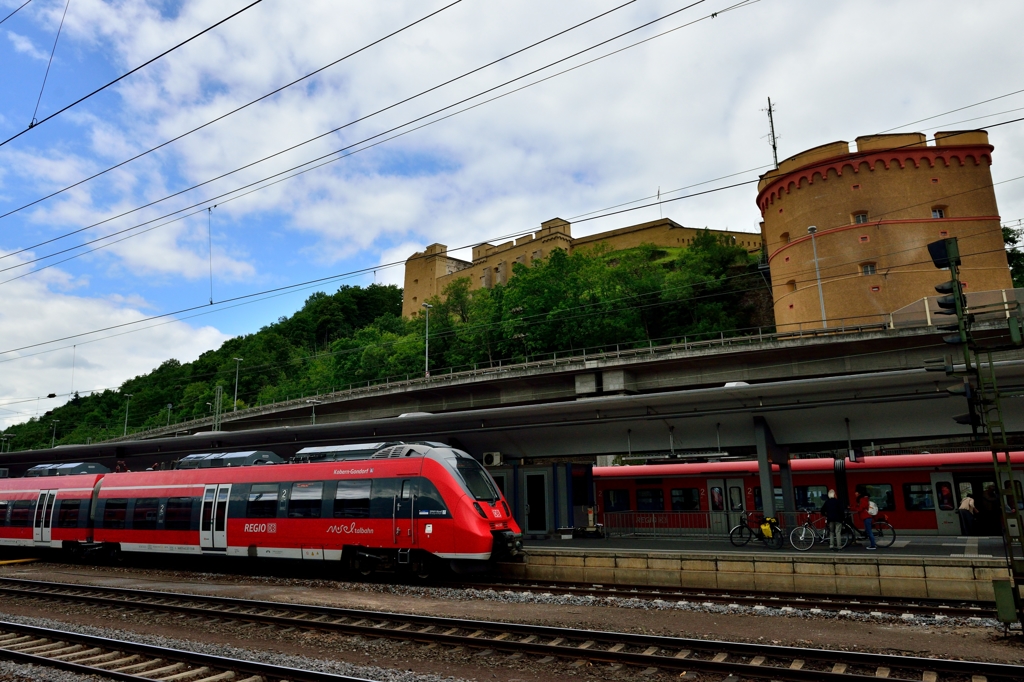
(778, 538)
(846, 536)
(741, 535)
(802, 538)
(885, 534)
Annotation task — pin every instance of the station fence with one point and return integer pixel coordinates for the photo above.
(694, 524)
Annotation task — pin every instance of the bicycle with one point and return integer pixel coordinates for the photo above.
(805, 536)
(883, 531)
(766, 530)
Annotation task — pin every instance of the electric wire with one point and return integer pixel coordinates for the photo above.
(49, 63)
(362, 118)
(15, 11)
(367, 269)
(229, 113)
(36, 124)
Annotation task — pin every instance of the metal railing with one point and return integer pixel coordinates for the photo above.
(693, 524)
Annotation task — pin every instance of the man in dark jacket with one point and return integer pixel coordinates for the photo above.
(832, 509)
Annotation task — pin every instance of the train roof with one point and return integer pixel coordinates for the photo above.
(920, 461)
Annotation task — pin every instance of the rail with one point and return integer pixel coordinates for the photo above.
(674, 654)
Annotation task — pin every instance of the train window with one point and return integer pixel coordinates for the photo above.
(430, 502)
(880, 494)
(918, 497)
(616, 500)
(476, 479)
(685, 499)
(67, 513)
(650, 499)
(810, 496)
(735, 498)
(306, 500)
(21, 512)
(4, 506)
(114, 512)
(717, 498)
(352, 500)
(262, 501)
(144, 514)
(179, 513)
(759, 505)
(382, 497)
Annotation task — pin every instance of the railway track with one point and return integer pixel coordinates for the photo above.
(133, 662)
(750, 598)
(677, 656)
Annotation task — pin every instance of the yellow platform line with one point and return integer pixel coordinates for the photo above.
(17, 561)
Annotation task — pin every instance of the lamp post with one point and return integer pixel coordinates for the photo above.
(234, 405)
(812, 230)
(426, 345)
(314, 403)
(127, 403)
(53, 436)
(169, 407)
(210, 406)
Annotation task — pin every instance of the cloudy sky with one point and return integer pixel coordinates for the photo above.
(681, 109)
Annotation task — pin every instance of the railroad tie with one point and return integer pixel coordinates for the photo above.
(650, 651)
(54, 654)
(556, 641)
(77, 654)
(102, 659)
(587, 644)
(9, 644)
(403, 626)
(929, 676)
(158, 673)
(798, 664)
(683, 654)
(502, 636)
(229, 675)
(43, 648)
(137, 667)
(426, 629)
(527, 640)
(476, 634)
(381, 624)
(720, 657)
(618, 647)
(451, 631)
(882, 672)
(757, 660)
(181, 676)
(8, 636)
(839, 668)
(546, 659)
(319, 619)
(979, 678)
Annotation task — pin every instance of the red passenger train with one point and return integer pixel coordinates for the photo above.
(404, 507)
(918, 493)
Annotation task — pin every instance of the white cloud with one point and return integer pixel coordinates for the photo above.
(36, 308)
(24, 45)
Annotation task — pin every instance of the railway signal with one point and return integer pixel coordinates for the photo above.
(983, 397)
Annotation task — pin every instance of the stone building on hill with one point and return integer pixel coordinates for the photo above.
(427, 273)
(874, 209)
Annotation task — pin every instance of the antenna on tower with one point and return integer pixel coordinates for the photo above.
(771, 132)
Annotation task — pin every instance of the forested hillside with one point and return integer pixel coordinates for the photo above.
(564, 302)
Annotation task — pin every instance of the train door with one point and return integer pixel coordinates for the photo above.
(946, 518)
(402, 521)
(1018, 484)
(735, 500)
(537, 502)
(213, 525)
(43, 512)
(718, 517)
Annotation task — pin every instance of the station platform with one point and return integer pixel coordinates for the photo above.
(927, 567)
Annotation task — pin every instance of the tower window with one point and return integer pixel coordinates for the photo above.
(938, 212)
(864, 238)
(791, 285)
(935, 181)
(876, 288)
(867, 269)
(855, 187)
(784, 237)
(943, 233)
(860, 218)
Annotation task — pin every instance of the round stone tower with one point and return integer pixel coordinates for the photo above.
(873, 212)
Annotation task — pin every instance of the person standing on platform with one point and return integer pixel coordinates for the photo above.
(864, 514)
(833, 510)
(967, 513)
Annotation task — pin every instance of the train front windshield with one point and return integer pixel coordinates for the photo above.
(477, 481)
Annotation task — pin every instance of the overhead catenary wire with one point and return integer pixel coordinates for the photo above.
(15, 11)
(60, 111)
(49, 63)
(361, 270)
(381, 110)
(227, 114)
